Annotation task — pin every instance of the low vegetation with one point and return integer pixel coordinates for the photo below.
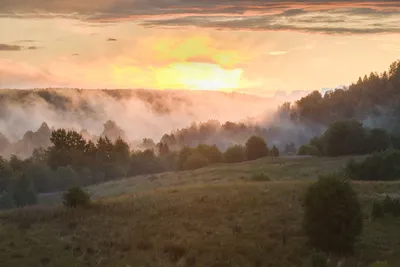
(76, 197)
(381, 166)
(332, 215)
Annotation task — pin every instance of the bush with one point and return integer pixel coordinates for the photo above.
(256, 148)
(6, 201)
(235, 154)
(195, 161)
(388, 205)
(274, 152)
(332, 217)
(344, 138)
(76, 197)
(23, 192)
(380, 166)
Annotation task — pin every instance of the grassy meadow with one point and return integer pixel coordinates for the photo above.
(240, 215)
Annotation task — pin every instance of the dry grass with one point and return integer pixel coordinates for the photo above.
(285, 168)
(232, 222)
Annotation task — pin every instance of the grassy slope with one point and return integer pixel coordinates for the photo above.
(291, 168)
(232, 222)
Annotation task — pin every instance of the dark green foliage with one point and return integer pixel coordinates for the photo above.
(363, 99)
(211, 153)
(344, 138)
(377, 210)
(386, 206)
(377, 140)
(332, 215)
(290, 148)
(317, 259)
(163, 149)
(76, 197)
(42, 177)
(383, 166)
(308, 150)
(348, 137)
(235, 154)
(6, 201)
(23, 192)
(145, 162)
(183, 154)
(274, 152)
(195, 161)
(65, 178)
(256, 148)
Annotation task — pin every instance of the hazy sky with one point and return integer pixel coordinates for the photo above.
(257, 46)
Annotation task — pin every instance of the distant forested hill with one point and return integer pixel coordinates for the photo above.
(373, 99)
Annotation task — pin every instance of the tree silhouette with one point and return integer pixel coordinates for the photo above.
(256, 148)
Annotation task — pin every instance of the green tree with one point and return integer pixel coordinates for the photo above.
(163, 149)
(235, 154)
(377, 140)
(23, 192)
(344, 138)
(211, 153)
(6, 201)
(256, 148)
(195, 161)
(183, 154)
(275, 152)
(76, 197)
(332, 215)
(67, 149)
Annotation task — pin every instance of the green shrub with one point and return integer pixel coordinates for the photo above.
(76, 197)
(274, 152)
(377, 210)
(380, 166)
(195, 161)
(235, 154)
(388, 205)
(256, 148)
(6, 201)
(332, 216)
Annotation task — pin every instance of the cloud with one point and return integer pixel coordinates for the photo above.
(332, 17)
(277, 53)
(6, 47)
(111, 40)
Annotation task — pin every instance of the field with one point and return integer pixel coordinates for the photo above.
(244, 215)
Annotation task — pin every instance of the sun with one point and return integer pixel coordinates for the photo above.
(198, 76)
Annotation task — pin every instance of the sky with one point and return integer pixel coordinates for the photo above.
(258, 47)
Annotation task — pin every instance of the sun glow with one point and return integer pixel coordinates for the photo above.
(198, 76)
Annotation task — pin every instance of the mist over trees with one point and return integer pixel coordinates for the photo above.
(373, 99)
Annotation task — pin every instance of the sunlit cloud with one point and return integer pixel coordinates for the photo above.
(277, 53)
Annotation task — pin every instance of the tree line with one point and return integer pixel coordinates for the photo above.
(350, 137)
(71, 160)
(374, 96)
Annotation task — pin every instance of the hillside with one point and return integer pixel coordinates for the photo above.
(279, 169)
(217, 216)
